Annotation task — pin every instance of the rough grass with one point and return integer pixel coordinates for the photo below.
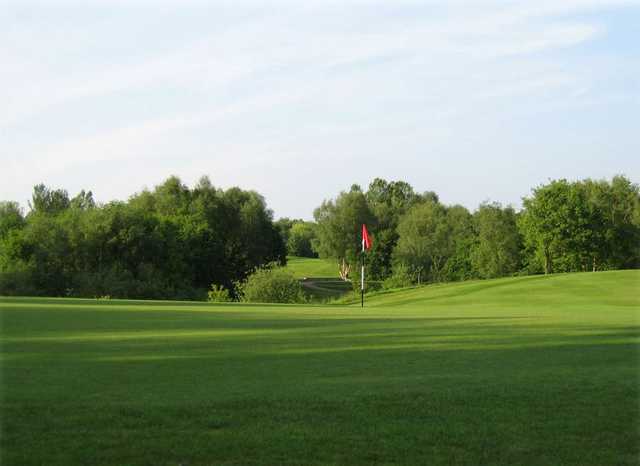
(534, 370)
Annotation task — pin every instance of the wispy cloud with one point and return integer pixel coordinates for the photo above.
(284, 80)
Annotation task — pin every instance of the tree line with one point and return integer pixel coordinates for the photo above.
(176, 242)
(563, 226)
(168, 243)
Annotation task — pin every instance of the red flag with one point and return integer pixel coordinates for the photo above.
(366, 241)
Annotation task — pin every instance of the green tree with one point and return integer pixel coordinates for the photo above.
(11, 217)
(462, 238)
(389, 201)
(497, 251)
(616, 236)
(339, 226)
(585, 225)
(169, 242)
(301, 237)
(425, 241)
(545, 224)
(49, 201)
(283, 225)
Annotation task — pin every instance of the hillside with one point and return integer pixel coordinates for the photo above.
(542, 292)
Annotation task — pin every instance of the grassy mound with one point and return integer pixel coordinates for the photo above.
(574, 290)
(534, 370)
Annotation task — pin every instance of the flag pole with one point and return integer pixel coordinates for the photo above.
(366, 244)
(362, 278)
(362, 283)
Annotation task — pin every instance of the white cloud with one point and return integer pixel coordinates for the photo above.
(292, 80)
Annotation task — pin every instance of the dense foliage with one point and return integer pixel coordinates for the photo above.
(586, 225)
(563, 227)
(199, 243)
(172, 242)
(271, 285)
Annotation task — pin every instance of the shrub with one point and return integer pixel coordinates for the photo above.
(218, 294)
(271, 285)
(401, 278)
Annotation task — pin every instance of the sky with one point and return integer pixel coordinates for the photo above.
(298, 100)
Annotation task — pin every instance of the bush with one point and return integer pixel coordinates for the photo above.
(401, 278)
(218, 294)
(272, 285)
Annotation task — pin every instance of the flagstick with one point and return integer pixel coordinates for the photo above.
(362, 278)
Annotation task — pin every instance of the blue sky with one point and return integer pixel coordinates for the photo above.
(298, 100)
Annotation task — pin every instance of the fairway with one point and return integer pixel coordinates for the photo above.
(538, 370)
(303, 267)
(325, 283)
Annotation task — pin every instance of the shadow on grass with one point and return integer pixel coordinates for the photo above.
(537, 406)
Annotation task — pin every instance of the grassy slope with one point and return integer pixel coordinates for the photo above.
(302, 267)
(535, 370)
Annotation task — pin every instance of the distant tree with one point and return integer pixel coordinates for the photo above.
(585, 225)
(11, 217)
(425, 241)
(616, 236)
(83, 201)
(300, 240)
(172, 197)
(389, 201)
(283, 225)
(462, 238)
(169, 242)
(44, 246)
(339, 226)
(45, 200)
(497, 251)
(544, 223)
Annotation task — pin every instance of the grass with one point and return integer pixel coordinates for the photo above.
(533, 370)
(304, 267)
(326, 289)
(319, 278)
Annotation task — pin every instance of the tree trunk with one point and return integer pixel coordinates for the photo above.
(548, 266)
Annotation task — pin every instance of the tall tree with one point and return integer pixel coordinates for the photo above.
(389, 201)
(425, 242)
(462, 236)
(11, 217)
(585, 225)
(497, 251)
(339, 226)
(301, 237)
(49, 201)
